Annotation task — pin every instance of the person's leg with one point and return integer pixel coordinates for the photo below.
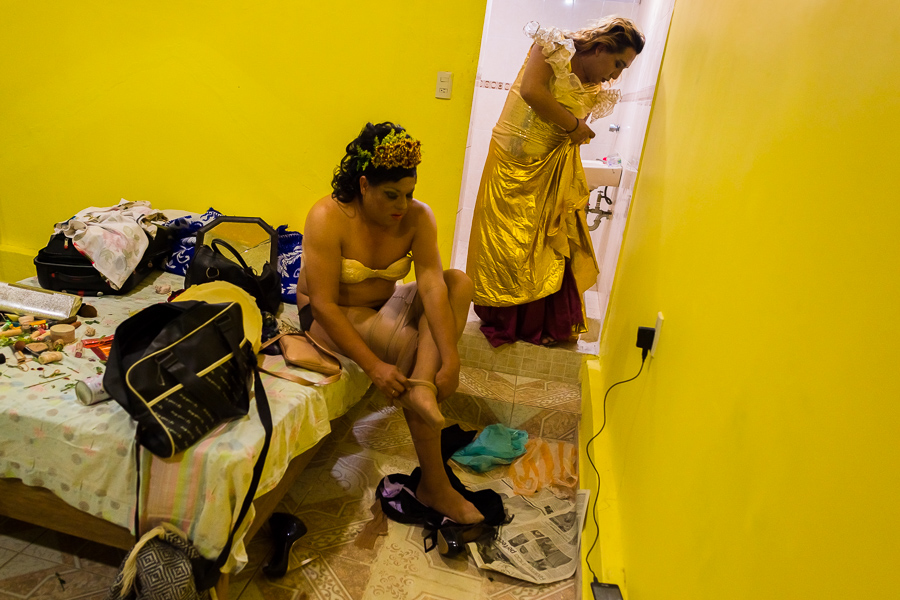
(434, 488)
(428, 358)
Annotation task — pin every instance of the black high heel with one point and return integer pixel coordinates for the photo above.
(286, 529)
(453, 537)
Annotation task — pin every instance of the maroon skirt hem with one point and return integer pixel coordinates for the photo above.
(553, 318)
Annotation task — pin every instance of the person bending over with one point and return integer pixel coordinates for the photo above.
(359, 243)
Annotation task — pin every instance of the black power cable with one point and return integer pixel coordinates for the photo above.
(587, 450)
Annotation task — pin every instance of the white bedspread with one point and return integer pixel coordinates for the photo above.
(85, 454)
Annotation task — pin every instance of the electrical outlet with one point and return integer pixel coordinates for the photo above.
(444, 85)
(659, 324)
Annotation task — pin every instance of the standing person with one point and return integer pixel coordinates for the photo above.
(530, 253)
(359, 242)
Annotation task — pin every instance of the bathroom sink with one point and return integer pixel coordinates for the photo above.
(600, 174)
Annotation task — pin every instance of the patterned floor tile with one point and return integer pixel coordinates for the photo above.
(487, 384)
(475, 411)
(6, 556)
(501, 587)
(36, 578)
(259, 552)
(550, 424)
(100, 560)
(339, 492)
(544, 393)
(17, 535)
(55, 547)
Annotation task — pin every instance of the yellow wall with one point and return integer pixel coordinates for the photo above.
(758, 455)
(244, 106)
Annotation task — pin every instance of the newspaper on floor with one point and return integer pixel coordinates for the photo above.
(541, 544)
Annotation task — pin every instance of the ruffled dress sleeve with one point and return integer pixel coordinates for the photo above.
(558, 51)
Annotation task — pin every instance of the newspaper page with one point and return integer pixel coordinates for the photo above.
(541, 543)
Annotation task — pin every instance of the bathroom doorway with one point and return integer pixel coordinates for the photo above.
(503, 49)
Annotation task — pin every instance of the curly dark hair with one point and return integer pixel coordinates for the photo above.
(345, 182)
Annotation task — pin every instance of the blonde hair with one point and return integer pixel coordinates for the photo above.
(612, 34)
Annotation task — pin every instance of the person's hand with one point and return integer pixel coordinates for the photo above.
(582, 134)
(447, 380)
(388, 379)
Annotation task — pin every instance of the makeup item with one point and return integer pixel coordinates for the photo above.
(50, 357)
(64, 333)
(79, 349)
(90, 391)
(100, 346)
(12, 332)
(37, 302)
(36, 348)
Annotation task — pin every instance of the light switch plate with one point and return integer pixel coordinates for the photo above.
(444, 87)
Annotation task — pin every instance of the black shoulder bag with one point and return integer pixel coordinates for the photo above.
(180, 369)
(211, 264)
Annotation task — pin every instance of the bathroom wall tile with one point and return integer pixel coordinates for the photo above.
(620, 9)
(556, 13)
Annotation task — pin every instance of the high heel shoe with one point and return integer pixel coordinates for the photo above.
(452, 538)
(286, 529)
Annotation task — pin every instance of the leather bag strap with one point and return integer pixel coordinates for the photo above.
(265, 416)
(215, 246)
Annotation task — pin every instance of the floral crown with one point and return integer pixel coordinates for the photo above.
(395, 150)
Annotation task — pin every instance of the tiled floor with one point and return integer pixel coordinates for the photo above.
(333, 497)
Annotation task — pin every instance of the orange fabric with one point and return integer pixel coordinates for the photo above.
(545, 464)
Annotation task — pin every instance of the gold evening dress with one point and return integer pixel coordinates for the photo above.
(529, 230)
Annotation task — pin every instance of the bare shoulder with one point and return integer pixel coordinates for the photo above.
(327, 213)
(420, 213)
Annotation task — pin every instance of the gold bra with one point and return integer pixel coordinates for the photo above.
(353, 271)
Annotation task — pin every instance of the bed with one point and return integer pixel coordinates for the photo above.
(71, 467)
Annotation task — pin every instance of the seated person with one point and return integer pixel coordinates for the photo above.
(359, 242)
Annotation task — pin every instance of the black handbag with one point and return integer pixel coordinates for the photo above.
(211, 264)
(180, 369)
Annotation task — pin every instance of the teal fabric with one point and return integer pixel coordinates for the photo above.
(496, 445)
